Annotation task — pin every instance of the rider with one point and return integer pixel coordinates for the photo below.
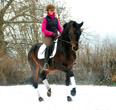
(50, 26)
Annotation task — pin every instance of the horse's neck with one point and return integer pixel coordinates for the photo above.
(62, 43)
(64, 36)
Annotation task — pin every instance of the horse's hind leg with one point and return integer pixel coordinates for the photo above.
(44, 80)
(35, 71)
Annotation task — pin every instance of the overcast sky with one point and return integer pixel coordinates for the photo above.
(100, 15)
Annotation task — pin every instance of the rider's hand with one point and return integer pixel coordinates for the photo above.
(53, 34)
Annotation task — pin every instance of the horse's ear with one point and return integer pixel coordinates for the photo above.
(65, 25)
(80, 24)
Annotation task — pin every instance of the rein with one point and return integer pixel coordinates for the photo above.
(68, 41)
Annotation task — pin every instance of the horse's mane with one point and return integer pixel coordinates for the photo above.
(66, 28)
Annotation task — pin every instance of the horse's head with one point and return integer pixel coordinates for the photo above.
(74, 32)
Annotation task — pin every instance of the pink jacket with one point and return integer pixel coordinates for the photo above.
(44, 24)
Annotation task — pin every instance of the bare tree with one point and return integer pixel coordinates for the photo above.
(20, 27)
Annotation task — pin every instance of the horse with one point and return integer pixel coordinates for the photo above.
(68, 44)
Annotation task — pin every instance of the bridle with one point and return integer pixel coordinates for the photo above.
(68, 42)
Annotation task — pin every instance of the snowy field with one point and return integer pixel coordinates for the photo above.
(87, 98)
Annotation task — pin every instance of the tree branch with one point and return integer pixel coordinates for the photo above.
(22, 15)
(6, 6)
(17, 22)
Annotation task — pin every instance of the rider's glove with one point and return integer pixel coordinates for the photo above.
(53, 34)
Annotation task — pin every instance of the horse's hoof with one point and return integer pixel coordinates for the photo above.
(73, 92)
(69, 99)
(41, 99)
(49, 93)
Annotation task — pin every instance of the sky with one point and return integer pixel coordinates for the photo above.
(98, 15)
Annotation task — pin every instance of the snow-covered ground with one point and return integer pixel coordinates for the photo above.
(87, 98)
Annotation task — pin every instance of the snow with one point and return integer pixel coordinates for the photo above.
(87, 98)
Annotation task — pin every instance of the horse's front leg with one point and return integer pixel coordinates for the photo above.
(73, 91)
(70, 79)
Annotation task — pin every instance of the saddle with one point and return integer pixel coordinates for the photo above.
(53, 48)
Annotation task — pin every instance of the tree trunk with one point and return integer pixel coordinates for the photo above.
(2, 42)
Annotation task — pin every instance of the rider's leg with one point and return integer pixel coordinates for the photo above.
(46, 65)
(47, 41)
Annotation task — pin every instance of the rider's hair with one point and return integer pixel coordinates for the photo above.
(50, 6)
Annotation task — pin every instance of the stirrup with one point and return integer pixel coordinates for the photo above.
(46, 66)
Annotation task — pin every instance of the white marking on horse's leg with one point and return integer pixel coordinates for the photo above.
(68, 94)
(46, 84)
(72, 79)
(38, 92)
(68, 90)
(73, 91)
(39, 97)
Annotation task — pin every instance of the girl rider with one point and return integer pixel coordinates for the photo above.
(50, 26)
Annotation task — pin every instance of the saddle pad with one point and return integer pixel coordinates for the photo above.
(41, 51)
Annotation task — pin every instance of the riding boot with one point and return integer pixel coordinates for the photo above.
(46, 65)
